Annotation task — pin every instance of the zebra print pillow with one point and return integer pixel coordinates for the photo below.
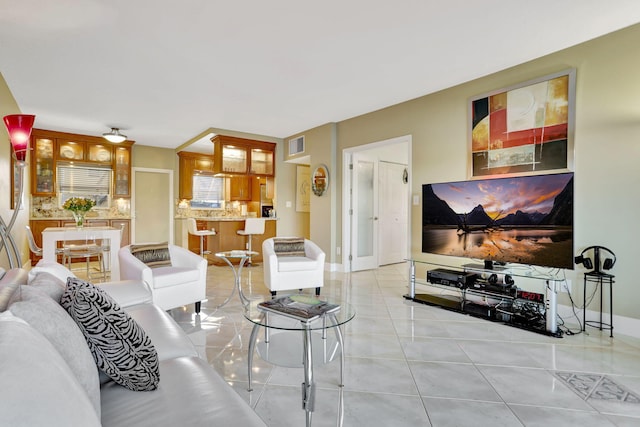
(153, 254)
(120, 347)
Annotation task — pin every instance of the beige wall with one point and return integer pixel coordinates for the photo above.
(8, 105)
(607, 149)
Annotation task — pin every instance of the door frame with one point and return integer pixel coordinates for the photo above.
(170, 208)
(347, 155)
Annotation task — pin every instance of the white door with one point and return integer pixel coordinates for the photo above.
(392, 213)
(152, 206)
(364, 218)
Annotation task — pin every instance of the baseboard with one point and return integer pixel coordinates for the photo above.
(621, 324)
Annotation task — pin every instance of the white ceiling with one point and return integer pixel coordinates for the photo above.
(166, 71)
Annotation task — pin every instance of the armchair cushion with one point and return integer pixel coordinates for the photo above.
(120, 347)
(289, 246)
(169, 276)
(153, 254)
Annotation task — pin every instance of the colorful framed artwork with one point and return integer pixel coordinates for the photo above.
(524, 129)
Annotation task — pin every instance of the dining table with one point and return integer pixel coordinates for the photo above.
(52, 235)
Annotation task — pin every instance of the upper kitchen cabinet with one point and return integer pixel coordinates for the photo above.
(122, 171)
(240, 156)
(52, 149)
(190, 163)
(42, 165)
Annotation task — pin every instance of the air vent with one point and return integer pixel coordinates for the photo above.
(296, 145)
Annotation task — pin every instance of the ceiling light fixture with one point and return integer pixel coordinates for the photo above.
(114, 136)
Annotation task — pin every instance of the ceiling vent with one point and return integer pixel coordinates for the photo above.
(296, 145)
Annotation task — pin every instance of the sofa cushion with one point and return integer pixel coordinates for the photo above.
(167, 336)
(47, 317)
(299, 263)
(51, 267)
(153, 254)
(190, 394)
(172, 276)
(49, 284)
(38, 387)
(289, 246)
(120, 347)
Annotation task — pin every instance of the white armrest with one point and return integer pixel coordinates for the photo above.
(128, 292)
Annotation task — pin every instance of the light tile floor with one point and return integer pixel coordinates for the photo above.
(409, 364)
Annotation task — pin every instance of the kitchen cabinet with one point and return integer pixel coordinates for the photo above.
(51, 147)
(42, 166)
(38, 225)
(243, 156)
(240, 188)
(122, 172)
(188, 164)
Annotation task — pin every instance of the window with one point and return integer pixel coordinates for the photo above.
(84, 181)
(208, 192)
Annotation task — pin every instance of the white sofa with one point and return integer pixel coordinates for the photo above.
(44, 381)
(183, 282)
(292, 271)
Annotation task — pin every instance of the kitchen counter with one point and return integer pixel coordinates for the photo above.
(222, 218)
(226, 237)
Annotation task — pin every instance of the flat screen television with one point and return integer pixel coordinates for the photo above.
(524, 220)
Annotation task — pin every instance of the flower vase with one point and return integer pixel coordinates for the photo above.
(78, 217)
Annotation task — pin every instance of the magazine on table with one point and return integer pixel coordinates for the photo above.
(300, 307)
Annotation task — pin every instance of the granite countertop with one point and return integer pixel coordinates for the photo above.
(222, 218)
(65, 218)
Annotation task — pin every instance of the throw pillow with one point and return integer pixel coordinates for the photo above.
(120, 347)
(153, 254)
(288, 246)
(52, 267)
(47, 317)
(49, 284)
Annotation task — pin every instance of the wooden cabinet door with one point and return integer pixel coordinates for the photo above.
(240, 188)
(122, 172)
(43, 166)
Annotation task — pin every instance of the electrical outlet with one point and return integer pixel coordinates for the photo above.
(338, 250)
(565, 287)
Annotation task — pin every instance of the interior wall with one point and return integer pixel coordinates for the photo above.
(607, 147)
(8, 105)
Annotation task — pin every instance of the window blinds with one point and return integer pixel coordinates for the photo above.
(83, 180)
(208, 191)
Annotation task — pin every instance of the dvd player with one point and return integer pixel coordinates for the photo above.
(458, 279)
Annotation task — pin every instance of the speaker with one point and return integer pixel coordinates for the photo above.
(595, 265)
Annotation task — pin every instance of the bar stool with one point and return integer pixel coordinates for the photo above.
(252, 226)
(193, 229)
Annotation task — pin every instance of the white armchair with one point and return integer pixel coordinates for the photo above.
(181, 283)
(289, 270)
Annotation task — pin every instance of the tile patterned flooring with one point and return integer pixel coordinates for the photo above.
(410, 364)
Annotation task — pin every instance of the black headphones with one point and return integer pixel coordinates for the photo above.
(595, 265)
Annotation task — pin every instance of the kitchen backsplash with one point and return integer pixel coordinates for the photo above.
(47, 207)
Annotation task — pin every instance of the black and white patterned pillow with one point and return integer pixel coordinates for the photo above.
(288, 246)
(120, 347)
(153, 254)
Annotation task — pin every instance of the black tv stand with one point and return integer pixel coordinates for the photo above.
(502, 301)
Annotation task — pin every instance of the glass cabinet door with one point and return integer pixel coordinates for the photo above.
(234, 159)
(99, 153)
(261, 162)
(122, 171)
(43, 167)
(71, 150)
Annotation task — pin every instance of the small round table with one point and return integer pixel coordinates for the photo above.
(281, 321)
(243, 256)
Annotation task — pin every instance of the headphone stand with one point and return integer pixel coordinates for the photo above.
(600, 279)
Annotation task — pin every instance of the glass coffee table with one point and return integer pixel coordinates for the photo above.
(271, 320)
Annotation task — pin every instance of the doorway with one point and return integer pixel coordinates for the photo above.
(152, 206)
(376, 202)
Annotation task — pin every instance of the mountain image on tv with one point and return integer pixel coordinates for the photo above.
(524, 220)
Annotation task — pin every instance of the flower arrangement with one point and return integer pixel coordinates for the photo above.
(78, 206)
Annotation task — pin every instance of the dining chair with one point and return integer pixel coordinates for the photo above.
(37, 250)
(86, 249)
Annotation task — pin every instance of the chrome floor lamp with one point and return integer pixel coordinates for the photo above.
(19, 128)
